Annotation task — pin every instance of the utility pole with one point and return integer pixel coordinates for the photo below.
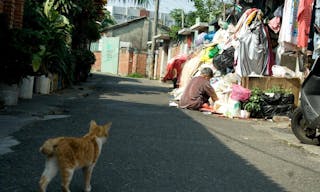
(153, 45)
(224, 11)
(182, 19)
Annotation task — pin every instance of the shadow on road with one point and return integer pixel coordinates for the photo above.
(151, 148)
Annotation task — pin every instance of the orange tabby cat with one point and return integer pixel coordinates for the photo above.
(68, 153)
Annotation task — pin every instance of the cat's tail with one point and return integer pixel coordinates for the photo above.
(48, 146)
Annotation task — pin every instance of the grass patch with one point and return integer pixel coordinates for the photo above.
(136, 75)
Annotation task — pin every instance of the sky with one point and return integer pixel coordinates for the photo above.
(165, 5)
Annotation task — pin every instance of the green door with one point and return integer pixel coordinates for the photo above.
(110, 54)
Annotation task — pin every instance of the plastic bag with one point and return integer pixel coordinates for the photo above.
(213, 52)
(287, 99)
(269, 111)
(224, 60)
(271, 99)
(277, 99)
(205, 56)
(200, 39)
(281, 71)
(240, 93)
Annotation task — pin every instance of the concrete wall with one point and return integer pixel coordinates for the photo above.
(137, 33)
(97, 64)
(125, 62)
(129, 62)
(141, 63)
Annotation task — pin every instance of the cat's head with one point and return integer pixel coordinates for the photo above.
(99, 130)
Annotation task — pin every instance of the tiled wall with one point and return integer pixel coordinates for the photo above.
(14, 10)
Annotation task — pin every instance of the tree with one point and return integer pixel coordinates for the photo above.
(107, 20)
(208, 9)
(181, 20)
(50, 32)
(178, 16)
(65, 30)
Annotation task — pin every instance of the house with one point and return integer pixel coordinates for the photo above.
(123, 48)
(137, 31)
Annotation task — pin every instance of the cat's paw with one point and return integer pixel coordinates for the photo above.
(88, 189)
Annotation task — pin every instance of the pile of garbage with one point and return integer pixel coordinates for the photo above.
(233, 52)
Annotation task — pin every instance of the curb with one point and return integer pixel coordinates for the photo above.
(282, 132)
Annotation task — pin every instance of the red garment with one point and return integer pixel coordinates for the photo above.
(275, 24)
(196, 93)
(177, 64)
(271, 55)
(304, 20)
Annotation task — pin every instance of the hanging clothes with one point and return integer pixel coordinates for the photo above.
(289, 27)
(312, 30)
(241, 21)
(174, 68)
(271, 55)
(252, 52)
(275, 22)
(316, 37)
(304, 19)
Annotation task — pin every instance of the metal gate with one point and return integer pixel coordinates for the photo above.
(110, 54)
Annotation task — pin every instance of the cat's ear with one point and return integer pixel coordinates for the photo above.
(108, 125)
(93, 123)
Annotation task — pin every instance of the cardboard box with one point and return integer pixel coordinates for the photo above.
(268, 82)
(292, 61)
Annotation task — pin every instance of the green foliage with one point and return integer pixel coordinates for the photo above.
(55, 50)
(108, 20)
(208, 9)
(86, 19)
(253, 105)
(15, 57)
(83, 60)
(64, 6)
(256, 91)
(176, 14)
(64, 27)
(174, 32)
(17, 47)
(277, 89)
(37, 58)
(135, 75)
(190, 19)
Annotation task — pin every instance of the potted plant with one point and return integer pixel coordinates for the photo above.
(253, 105)
(51, 54)
(84, 59)
(15, 61)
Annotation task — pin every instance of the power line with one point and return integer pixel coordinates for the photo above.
(166, 6)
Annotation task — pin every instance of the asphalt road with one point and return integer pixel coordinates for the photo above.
(156, 148)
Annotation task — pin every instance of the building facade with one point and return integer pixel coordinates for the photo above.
(14, 12)
(125, 14)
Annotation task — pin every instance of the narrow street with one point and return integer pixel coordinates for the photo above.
(156, 148)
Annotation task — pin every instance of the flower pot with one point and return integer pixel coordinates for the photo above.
(54, 82)
(244, 114)
(9, 94)
(42, 85)
(26, 87)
